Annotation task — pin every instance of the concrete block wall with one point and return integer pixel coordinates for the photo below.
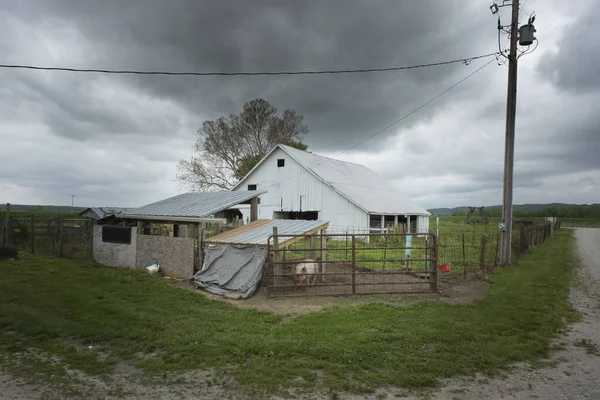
(175, 255)
(115, 254)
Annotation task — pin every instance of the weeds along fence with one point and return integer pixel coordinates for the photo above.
(466, 254)
(339, 264)
(59, 236)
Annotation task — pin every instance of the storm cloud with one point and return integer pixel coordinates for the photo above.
(115, 140)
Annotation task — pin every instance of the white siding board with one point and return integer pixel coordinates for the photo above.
(293, 180)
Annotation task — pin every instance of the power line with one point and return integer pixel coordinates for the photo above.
(327, 159)
(418, 108)
(171, 73)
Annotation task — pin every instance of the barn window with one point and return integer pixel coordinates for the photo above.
(280, 162)
(252, 187)
(116, 234)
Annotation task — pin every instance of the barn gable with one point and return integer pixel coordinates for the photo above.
(355, 182)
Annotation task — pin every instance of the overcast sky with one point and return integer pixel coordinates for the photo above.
(116, 140)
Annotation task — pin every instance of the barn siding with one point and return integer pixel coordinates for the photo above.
(286, 184)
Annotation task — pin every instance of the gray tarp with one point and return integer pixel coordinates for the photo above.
(232, 271)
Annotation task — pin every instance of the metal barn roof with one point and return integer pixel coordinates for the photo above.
(356, 182)
(258, 232)
(101, 212)
(194, 204)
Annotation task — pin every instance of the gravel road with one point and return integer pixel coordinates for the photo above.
(573, 373)
(576, 374)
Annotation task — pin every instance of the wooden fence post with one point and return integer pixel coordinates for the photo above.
(10, 231)
(32, 234)
(353, 264)
(522, 239)
(6, 224)
(346, 247)
(323, 254)
(59, 221)
(433, 276)
(464, 256)
(497, 252)
(532, 241)
(482, 255)
(385, 243)
(2, 230)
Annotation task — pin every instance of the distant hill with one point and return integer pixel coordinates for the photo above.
(26, 207)
(533, 210)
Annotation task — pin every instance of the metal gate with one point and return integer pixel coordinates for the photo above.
(349, 264)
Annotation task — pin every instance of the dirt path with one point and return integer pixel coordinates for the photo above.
(573, 373)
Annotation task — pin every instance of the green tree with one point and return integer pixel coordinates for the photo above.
(229, 147)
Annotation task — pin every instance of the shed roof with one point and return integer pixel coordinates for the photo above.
(359, 184)
(194, 204)
(101, 212)
(258, 232)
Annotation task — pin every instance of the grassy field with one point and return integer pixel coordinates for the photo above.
(459, 244)
(60, 307)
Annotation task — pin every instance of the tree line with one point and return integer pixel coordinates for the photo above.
(544, 210)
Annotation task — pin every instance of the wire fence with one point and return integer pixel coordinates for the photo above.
(459, 255)
(470, 254)
(61, 237)
(349, 264)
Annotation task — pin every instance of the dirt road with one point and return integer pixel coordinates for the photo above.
(574, 372)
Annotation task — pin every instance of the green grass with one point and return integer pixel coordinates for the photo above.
(60, 307)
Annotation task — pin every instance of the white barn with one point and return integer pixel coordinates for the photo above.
(353, 198)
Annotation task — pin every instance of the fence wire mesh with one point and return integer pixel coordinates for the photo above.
(335, 264)
(61, 237)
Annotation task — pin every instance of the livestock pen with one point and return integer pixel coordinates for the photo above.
(351, 264)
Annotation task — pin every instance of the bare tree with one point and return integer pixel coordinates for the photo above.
(229, 147)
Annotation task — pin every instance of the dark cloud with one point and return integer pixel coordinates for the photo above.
(575, 66)
(274, 35)
(116, 139)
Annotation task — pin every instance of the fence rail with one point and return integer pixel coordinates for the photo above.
(346, 263)
(339, 264)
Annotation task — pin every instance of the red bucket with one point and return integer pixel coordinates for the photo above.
(444, 268)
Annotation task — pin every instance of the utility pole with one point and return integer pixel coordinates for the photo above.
(509, 149)
(72, 200)
(523, 36)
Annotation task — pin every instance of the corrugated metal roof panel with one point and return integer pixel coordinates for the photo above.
(101, 212)
(358, 183)
(258, 232)
(195, 204)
